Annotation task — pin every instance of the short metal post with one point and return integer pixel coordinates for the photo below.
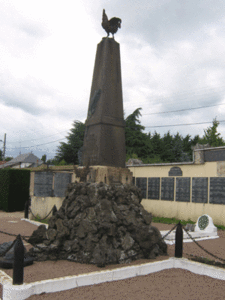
(26, 210)
(54, 210)
(179, 241)
(18, 263)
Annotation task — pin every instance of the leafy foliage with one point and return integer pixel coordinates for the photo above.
(211, 136)
(150, 148)
(44, 157)
(69, 151)
(137, 142)
(154, 148)
(8, 158)
(14, 189)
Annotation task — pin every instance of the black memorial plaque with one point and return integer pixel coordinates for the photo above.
(60, 183)
(153, 188)
(43, 184)
(183, 189)
(167, 189)
(175, 171)
(214, 155)
(141, 182)
(217, 190)
(200, 189)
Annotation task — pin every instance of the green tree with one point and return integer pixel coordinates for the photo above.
(167, 154)
(211, 136)
(138, 143)
(44, 157)
(178, 149)
(175, 148)
(0, 155)
(8, 158)
(188, 143)
(157, 144)
(69, 151)
(150, 148)
(62, 163)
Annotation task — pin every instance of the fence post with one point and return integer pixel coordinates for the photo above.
(54, 210)
(18, 263)
(179, 241)
(26, 210)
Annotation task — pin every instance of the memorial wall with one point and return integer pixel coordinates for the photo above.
(49, 184)
(184, 191)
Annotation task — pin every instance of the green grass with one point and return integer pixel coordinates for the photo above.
(154, 219)
(38, 219)
(175, 221)
(208, 261)
(170, 220)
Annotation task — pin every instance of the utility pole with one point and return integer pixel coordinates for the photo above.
(4, 147)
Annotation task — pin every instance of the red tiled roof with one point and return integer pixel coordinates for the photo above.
(2, 162)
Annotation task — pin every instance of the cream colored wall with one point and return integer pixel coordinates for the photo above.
(185, 210)
(43, 205)
(189, 170)
(32, 183)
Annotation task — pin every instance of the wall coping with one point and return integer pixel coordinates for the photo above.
(163, 164)
(212, 148)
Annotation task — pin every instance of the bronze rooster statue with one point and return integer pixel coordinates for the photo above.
(111, 25)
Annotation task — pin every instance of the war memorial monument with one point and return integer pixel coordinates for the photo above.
(101, 220)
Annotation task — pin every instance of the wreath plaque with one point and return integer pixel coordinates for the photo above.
(203, 222)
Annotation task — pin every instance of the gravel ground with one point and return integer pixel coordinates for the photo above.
(166, 284)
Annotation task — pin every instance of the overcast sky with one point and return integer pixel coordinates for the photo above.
(172, 58)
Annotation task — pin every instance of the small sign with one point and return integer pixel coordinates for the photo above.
(175, 171)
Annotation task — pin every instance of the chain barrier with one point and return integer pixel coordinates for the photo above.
(202, 247)
(169, 232)
(11, 234)
(42, 218)
(2, 254)
(162, 238)
(25, 238)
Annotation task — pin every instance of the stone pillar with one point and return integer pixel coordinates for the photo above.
(104, 141)
(199, 156)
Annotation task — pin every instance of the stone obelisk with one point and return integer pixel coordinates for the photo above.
(104, 141)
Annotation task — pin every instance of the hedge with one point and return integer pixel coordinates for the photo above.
(14, 189)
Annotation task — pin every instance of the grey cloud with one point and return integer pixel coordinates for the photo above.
(24, 95)
(32, 30)
(160, 22)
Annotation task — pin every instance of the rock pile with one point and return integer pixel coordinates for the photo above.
(99, 224)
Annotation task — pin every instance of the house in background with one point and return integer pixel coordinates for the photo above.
(2, 162)
(27, 160)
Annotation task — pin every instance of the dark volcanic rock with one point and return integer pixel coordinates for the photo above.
(99, 224)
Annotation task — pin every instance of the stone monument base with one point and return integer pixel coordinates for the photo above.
(109, 175)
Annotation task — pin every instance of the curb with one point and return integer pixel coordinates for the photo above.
(21, 292)
(34, 222)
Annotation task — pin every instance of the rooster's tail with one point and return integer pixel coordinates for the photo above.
(104, 17)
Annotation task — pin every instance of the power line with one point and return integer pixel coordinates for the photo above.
(58, 132)
(185, 109)
(182, 124)
(40, 144)
(39, 138)
(186, 95)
